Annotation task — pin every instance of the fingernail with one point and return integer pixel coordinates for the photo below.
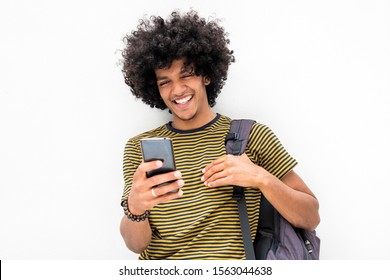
(202, 179)
(203, 170)
(159, 163)
(180, 183)
(180, 193)
(177, 174)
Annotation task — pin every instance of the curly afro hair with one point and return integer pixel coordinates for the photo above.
(157, 42)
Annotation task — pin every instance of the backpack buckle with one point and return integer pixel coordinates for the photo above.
(232, 136)
(237, 193)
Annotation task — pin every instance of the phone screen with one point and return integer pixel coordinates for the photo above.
(158, 149)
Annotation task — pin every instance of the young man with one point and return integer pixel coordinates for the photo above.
(181, 64)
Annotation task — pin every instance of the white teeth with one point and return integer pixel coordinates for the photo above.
(183, 100)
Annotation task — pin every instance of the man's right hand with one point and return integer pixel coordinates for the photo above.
(145, 194)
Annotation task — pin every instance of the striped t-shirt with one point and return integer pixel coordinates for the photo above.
(204, 222)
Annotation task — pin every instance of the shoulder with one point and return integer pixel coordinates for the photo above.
(223, 122)
(260, 130)
(262, 137)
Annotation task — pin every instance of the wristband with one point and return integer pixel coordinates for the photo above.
(135, 218)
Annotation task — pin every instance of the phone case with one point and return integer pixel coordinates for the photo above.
(158, 149)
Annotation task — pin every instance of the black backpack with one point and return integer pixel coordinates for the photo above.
(275, 237)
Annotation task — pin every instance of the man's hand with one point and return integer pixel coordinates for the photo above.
(144, 194)
(233, 170)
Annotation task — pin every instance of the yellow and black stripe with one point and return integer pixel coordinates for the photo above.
(204, 222)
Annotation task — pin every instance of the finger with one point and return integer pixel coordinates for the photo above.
(156, 195)
(212, 172)
(218, 166)
(147, 198)
(245, 156)
(153, 193)
(222, 181)
(167, 188)
(165, 197)
(213, 163)
(148, 166)
(222, 177)
(163, 178)
(140, 173)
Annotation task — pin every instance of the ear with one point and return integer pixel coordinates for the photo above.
(206, 81)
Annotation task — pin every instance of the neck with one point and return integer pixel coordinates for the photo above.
(194, 122)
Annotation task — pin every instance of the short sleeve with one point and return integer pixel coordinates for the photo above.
(131, 160)
(268, 152)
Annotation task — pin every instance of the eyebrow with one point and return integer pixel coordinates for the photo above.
(188, 68)
(161, 78)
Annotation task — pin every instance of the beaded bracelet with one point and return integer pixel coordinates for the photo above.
(135, 218)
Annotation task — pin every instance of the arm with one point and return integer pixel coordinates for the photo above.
(137, 235)
(290, 196)
(293, 199)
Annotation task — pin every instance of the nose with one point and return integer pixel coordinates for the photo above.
(179, 88)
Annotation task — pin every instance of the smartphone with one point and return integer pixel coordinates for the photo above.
(159, 149)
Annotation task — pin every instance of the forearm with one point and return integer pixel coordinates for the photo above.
(292, 199)
(137, 235)
(142, 197)
(290, 196)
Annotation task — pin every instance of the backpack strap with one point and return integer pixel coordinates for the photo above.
(268, 231)
(237, 138)
(236, 141)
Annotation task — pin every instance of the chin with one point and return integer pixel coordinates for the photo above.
(185, 116)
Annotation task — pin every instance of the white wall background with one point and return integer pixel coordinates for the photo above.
(316, 72)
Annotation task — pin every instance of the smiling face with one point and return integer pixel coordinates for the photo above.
(185, 95)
